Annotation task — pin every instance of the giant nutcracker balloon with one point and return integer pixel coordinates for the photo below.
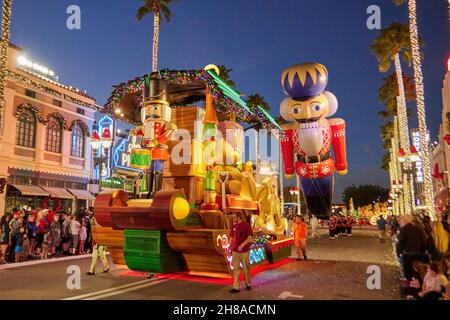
(311, 134)
(156, 130)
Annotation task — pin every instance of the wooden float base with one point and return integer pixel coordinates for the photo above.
(113, 240)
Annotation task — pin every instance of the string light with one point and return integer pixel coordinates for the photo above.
(421, 114)
(4, 43)
(227, 101)
(156, 22)
(404, 134)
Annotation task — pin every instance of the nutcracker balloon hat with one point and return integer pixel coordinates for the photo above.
(305, 80)
(305, 85)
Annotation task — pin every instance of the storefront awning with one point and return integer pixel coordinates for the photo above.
(58, 193)
(82, 194)
(30, 190)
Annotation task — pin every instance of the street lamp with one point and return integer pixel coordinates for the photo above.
(105, 142)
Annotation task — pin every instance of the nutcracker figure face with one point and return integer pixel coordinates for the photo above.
(156, 112)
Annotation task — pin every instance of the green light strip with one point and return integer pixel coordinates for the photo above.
(270, 117)
(228, 91)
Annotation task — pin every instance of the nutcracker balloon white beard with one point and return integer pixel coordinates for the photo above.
(310, 134)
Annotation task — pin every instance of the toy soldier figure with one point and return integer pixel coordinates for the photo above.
(155, 131)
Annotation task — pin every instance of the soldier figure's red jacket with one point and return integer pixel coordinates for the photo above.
(311, 145)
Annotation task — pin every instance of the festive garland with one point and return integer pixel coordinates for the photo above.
(51, 91)
(21, 109)
(82, 124)
(58, 117)
(224, 104)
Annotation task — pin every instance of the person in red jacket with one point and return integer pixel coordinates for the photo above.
(332, 226)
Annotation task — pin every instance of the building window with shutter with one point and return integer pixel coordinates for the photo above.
(77, 148)
(26, 129)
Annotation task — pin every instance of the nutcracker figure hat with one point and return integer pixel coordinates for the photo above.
(156, 94)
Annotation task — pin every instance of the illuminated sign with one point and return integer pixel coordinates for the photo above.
(122, 152)
(257, 253)
(26, 64)
(105, 122)
(416, 144)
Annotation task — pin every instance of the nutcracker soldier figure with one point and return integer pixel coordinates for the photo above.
(309, 136)
(156, 130)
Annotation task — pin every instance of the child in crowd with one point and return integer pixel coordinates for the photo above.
(82, 236)
(31, 229)
(46, 244)
(434, 283)
(55, 232)
(20, 236)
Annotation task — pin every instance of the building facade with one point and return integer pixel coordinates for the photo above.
(45, 155)
(441, 150)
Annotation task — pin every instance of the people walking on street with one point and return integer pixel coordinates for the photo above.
(313, 222)
(299, 230)
(55, 232)
(98, 250)
(74, 230)
(411, 245)
(240, 237)
(4, 236)
(381, 222)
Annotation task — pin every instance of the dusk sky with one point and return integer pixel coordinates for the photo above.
(255, 38)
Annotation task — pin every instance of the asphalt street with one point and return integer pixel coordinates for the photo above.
(335, 270)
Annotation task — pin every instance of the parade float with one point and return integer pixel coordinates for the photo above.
(311, 135)
(189, 124)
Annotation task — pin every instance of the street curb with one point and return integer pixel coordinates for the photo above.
(37, 262)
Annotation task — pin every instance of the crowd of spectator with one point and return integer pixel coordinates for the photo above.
(43, 234)
(422, 247)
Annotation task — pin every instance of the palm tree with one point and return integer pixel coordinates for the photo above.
(421, 114)
(4, 44)
(388, 93)
(255, 100)
(387, 48)
(224, 74)
(157, 7)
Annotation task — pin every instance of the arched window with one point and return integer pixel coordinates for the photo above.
(26, 129)
(77, 148)
(53, 137)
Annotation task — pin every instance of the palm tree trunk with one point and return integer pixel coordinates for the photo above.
(156, 22)
(418, 77)
(404, 135)
(6, 23)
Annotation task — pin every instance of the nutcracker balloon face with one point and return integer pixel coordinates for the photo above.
(309, 110)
